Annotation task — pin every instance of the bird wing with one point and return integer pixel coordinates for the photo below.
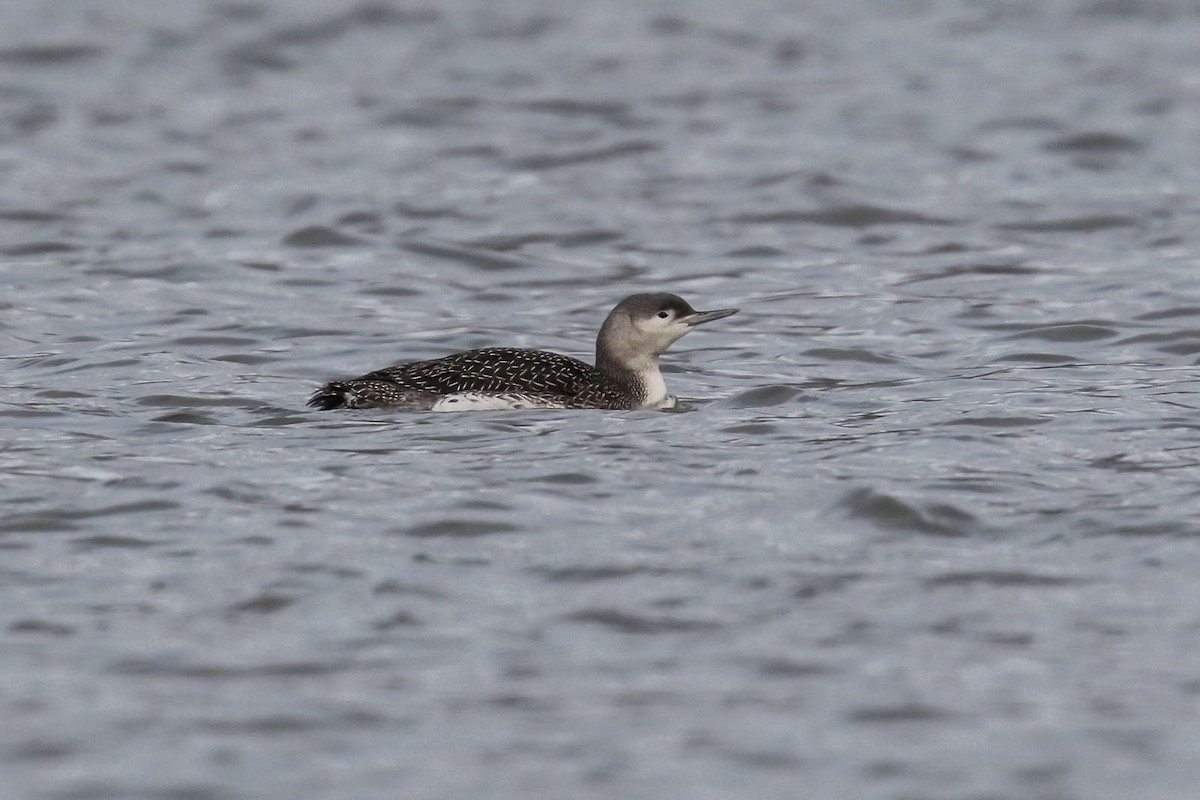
(493, 369)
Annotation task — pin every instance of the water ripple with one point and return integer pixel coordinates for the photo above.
(892, 513)
(948, 446)
(851, 216)
(625, 622)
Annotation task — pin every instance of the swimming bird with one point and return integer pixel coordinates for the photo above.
(636, 332)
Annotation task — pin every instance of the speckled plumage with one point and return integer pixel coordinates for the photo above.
(536, 378)
(626, 375)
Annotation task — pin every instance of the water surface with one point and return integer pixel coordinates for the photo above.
(925, 527)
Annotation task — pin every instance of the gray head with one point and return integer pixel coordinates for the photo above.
(643, 326)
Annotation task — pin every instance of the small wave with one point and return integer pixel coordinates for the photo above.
(1095, 142)
(1083, 331)
(907, 712)
(460, 529)
(320, 236)
(604, 572)
(892, 513)
(1084, 224)
(556, 160)
(849, 216)
(999, 578)
(764, 397)
(41, 55)
(625, 622)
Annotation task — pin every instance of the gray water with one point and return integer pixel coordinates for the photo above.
(925, 526)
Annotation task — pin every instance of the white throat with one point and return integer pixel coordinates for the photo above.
(655, 387)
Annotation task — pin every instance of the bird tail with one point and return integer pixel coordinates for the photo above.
(331, 395)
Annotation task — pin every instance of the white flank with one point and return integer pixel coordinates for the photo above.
(467, 401)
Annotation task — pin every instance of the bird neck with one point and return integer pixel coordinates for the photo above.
(641, 376)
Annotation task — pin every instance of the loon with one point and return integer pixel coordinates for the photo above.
(636, 332)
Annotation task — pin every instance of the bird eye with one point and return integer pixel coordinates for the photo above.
(664, 314)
